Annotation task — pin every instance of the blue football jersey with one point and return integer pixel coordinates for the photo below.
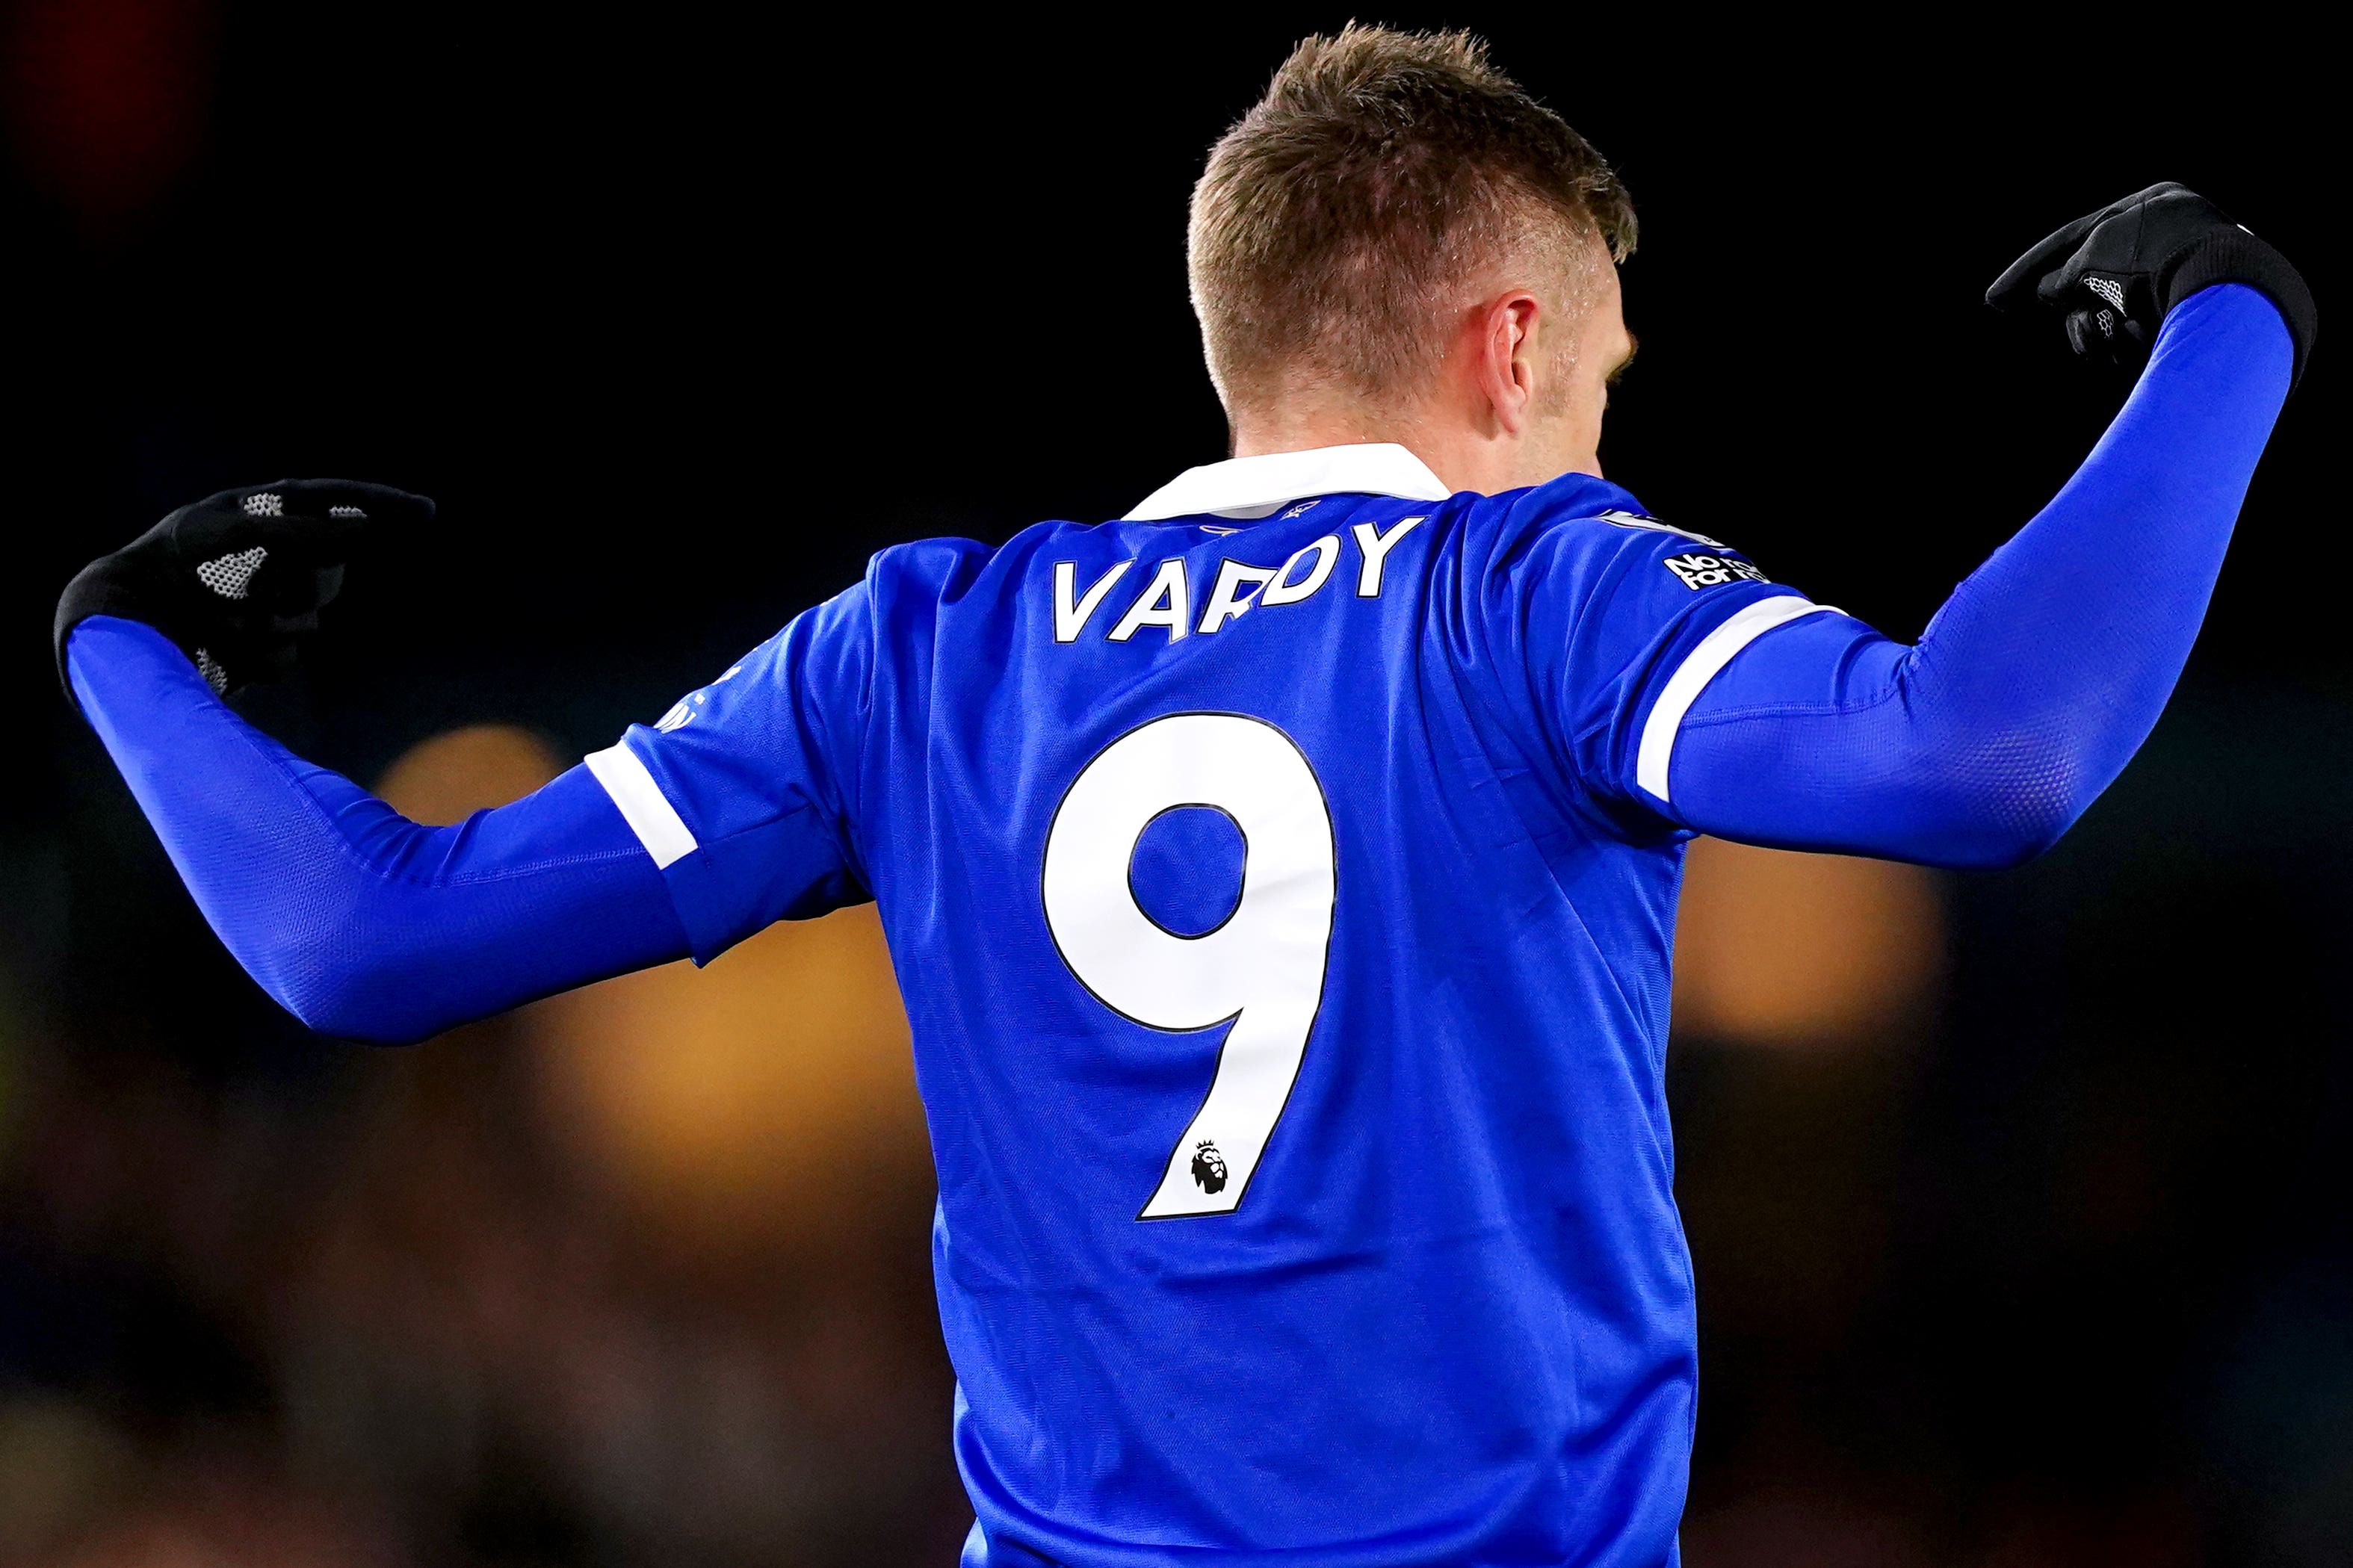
(1281, 884)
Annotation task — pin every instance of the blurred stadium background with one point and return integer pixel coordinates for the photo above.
(2020, 1204)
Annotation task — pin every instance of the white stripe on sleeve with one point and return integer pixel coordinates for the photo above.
(650, 815)
(1683, 690)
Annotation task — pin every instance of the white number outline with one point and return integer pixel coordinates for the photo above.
(1324, 972)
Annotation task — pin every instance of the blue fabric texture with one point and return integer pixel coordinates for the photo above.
(360, 923)
(1358, 1246)
(2044, 671)
(749, 763)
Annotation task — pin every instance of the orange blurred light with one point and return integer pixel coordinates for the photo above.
(1785, 949)
(771, 1092)
(766, 1091)
(449, 777)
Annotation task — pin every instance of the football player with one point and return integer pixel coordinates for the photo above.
(1281, 877)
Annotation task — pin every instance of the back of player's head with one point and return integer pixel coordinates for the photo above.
(1374, 189)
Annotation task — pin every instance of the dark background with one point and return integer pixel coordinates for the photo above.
(680, 318)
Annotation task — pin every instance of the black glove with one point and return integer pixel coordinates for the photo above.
(2118, 272)
(236, 579)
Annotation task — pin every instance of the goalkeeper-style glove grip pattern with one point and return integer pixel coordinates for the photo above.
(237, 579)
(2115, 275)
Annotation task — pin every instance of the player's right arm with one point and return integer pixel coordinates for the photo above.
(1799, 727)
(366, 925)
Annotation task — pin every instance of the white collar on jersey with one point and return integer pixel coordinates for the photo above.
(1255, 487)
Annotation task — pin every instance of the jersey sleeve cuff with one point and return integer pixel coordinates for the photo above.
(667, 838)
(642, 805)
(1654, 756)
(725, 889)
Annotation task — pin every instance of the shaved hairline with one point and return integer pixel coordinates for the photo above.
(1386, 184)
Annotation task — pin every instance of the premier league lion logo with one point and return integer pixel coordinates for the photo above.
(1210, 1167)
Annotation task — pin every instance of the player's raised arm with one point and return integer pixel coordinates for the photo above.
(2047, 668)
(360, 923)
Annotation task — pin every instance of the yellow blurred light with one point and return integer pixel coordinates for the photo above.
(768, 1090)
(449, 777)
(1785, 949)
(773, 1091)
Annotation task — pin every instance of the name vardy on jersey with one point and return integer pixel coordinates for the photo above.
(1166, 601)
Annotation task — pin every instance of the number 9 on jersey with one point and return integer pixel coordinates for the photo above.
(1263, 969)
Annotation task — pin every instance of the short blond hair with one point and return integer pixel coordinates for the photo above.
(1383, 176)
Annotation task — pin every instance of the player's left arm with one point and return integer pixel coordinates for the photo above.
(2040, 677)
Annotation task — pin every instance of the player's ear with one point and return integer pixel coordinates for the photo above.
(1508, 366)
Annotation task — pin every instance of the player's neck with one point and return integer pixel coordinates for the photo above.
(1463, 458)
